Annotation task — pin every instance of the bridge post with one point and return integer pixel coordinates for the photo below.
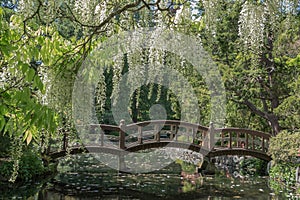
(122, 135)
(194, 135)
(140, 136)
(65, 141)
(157, 133)
(247, 141)
(102, 137)
(172, 135)
(211, 136)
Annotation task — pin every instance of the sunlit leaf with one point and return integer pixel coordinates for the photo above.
(28, 138)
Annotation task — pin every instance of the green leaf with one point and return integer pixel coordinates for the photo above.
(2, 123)
(34, 119)
(5, 50)
(24, 68)
(29, 137)
(3, 110)
(9, 127)
(30, 74)
(27, 93)
(39, 84)
(40, 40)
(16, 19)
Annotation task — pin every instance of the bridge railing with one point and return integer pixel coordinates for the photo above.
(124, 136)
(162, 130)
(99, 134)
(138, 133)
(242, 138)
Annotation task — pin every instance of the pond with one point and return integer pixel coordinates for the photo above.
(84, 177)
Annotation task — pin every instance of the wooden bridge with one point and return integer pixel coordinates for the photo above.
(209, 141)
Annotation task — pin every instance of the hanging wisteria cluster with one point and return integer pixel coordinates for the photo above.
(252, 25)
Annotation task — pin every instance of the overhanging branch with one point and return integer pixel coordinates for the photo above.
(252, 107)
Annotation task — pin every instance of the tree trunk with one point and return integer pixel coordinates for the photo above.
(274, 123)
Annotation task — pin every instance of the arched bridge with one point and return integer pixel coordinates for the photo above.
(209, 141)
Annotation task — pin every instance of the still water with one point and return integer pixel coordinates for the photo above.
(82, 177)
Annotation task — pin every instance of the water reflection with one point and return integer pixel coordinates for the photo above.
(185, 186)
(82, 177)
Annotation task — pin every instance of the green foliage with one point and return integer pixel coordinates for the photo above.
(282, 177)
(186, 167)
(253, 166)
(258, 61)
(30, 166)
(5, 143)
(24, 116)
(284, 147)
(284, 150)
(6, 169)
(21, 111)
(289, 110)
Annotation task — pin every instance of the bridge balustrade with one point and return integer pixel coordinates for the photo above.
(165, 130)
(242, 138)
(158, 133)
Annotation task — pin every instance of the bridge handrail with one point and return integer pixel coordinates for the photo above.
(246, 131)
(166, 123)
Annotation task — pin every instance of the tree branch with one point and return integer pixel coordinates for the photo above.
(252, 107)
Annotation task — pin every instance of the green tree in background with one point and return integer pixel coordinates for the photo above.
(256, 44)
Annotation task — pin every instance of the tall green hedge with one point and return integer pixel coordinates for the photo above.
(284, 150)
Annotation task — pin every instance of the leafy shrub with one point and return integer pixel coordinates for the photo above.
(284, 147)
(283, 150)
(284, 173)
(30, 166)
(186, 167)
(6, 169)
(4, 145)
(253, 166)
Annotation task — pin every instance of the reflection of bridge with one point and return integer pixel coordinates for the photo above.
(211, 142)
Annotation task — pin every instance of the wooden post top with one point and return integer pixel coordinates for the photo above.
(122, 122)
